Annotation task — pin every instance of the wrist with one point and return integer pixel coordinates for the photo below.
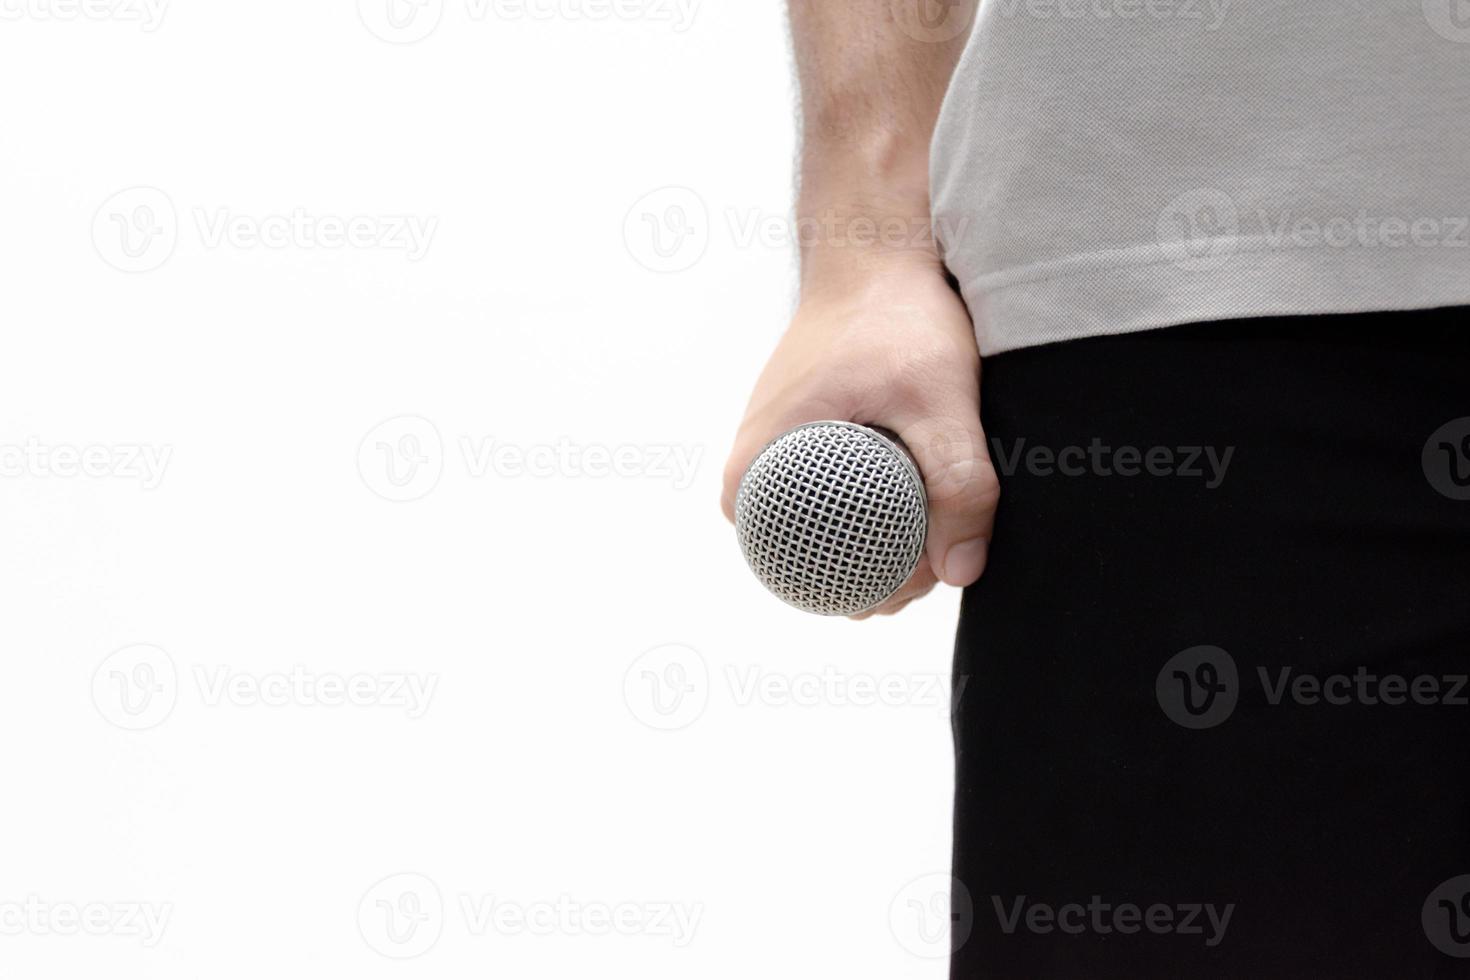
(842, 244)
(861, 212)
(860, 276)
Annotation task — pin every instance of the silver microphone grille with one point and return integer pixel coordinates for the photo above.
(832, 517)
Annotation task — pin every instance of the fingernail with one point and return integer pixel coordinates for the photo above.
(964, 562)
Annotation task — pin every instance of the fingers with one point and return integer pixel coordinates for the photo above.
(920, 584)
(757, 432)
(959, 478)
(901, 356)
(748, 444)
(734, 470)
(961, 483)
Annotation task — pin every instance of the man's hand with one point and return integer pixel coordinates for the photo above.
(880, 338)
(895, 349)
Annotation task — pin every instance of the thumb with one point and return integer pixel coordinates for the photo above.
(962, 487)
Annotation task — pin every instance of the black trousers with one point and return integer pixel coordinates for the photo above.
(1213, 715)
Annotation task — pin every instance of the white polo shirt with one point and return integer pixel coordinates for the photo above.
(1106, 166)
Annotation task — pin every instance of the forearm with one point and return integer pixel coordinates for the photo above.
(870, 94)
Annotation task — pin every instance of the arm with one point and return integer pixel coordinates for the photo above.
(870, 95)
(879, 337)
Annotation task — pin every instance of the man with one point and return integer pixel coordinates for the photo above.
(1215, 260)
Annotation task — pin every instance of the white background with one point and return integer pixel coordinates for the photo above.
(172, 630)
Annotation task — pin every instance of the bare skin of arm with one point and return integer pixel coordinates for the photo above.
(879, 337)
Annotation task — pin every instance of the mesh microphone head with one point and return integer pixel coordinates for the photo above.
(832, 517)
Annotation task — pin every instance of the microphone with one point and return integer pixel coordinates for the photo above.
(832, 517)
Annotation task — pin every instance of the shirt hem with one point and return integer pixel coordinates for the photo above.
(1085, 297)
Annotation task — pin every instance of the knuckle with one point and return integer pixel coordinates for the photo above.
(959, 472)
(907, 388)
(850, 383)
(919, 380)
